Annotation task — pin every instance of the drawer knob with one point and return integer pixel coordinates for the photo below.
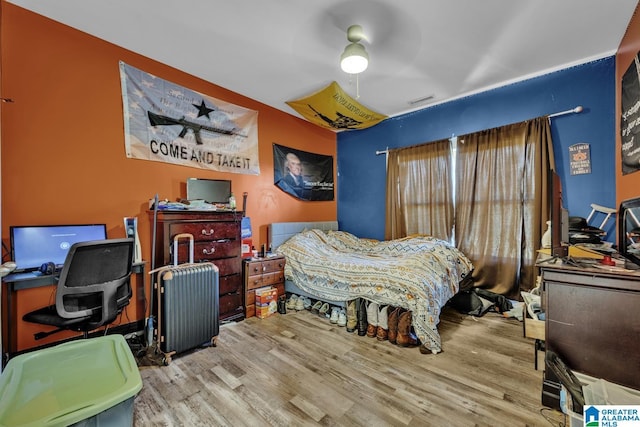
(208, 251)
(207, 232)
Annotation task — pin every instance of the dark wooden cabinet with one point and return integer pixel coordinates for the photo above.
(260, 273)
(216, 239)
(593, 322)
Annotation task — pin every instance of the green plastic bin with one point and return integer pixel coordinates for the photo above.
(90, 382)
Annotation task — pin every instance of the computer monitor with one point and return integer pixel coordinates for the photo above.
(209, 190)
(629, 231)
(34, 245)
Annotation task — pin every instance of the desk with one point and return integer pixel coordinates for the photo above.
(24, 281)
(592, 323)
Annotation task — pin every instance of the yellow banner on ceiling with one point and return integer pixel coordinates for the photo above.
(332, 108)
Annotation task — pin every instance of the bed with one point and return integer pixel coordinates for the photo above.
(417, 273)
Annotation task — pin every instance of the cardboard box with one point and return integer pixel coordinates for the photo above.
(266, 302)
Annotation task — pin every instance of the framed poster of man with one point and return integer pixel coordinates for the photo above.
(304, 175)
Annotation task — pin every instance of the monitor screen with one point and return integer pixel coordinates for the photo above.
(34, 245)
(629, 231)
(209, 190)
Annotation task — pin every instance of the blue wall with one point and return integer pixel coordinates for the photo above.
(362, 174)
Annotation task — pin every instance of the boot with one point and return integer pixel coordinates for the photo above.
(383, 326)
(405, 338)
(352, 316)
(425, 350)
(372, 319)
(361, 308)
(282, 304)
(392, 323)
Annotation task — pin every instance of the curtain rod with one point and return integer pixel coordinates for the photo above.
(578, 109)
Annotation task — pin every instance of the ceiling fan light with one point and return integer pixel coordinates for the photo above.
(354, 59)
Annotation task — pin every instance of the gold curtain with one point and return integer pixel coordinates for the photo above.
(502, 203)
(419, 191)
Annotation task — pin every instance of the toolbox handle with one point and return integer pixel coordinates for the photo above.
(176, 238)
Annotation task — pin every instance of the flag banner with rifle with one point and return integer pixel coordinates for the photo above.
(165, 122)
(333, 108)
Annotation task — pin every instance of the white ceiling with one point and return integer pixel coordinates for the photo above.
(279, 50)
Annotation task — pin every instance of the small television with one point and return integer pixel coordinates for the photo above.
(629, 231)
(559, 219)
(34, 245)
(210, 190)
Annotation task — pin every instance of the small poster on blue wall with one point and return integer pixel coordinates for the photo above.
(580, 159)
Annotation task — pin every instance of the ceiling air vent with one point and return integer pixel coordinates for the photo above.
(420, 100)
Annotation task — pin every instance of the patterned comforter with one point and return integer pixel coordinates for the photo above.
(417, 273)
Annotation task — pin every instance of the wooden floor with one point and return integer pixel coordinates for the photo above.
(298, 369)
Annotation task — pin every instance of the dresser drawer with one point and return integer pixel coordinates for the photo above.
(253, 268)
(228, 266)
(273, 265)
(272, 278)
(265, 279)
(208, 250)
(205, 230)
(230, 284)
(254, 282)
(230, 303)
(267, 266)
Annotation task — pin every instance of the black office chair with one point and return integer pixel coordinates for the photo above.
(93, 287)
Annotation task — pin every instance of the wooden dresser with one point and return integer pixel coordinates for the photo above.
(260, 273)
(216, 239)
(592, 323)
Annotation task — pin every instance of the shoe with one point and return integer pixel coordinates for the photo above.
(425, 350)
(342, 318)
(405, 337)
(392, 323)
(282, 304)
(372, 319)
(352, 316)
(323, 310)
(383, 327)
(315, 308)
(361, 310)
(307, 303)
(334, 315)
(291, 303)
(300, 304)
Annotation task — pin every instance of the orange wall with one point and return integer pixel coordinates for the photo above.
(627, 186)
(63, 156)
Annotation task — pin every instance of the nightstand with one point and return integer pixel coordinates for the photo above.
(260, 273)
